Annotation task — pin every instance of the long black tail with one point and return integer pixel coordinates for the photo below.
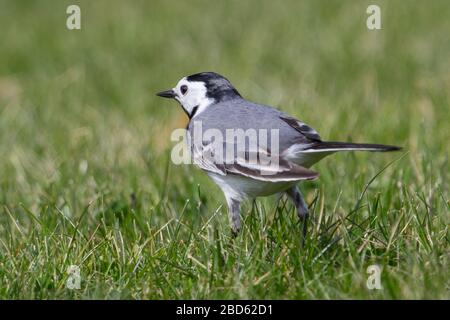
(325, 146)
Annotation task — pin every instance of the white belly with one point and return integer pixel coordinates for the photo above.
(240, 187)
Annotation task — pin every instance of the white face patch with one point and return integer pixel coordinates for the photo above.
(194, 99)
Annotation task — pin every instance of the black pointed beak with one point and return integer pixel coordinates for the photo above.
(167, 94)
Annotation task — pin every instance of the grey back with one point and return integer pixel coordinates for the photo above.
(239, 113)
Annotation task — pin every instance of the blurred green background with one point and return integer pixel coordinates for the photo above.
(81, 131)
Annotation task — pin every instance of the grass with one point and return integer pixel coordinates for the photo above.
(86, 177)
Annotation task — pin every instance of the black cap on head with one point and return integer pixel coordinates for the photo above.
(217, 86)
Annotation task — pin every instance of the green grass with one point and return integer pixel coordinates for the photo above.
(86, 177)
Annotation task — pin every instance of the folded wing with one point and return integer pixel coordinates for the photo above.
(256, 165)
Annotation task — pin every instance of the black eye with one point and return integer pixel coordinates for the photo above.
(183, 89)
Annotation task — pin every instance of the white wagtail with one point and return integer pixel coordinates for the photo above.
(211, 99)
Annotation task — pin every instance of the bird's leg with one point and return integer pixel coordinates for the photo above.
(234, 215)
(302, 209)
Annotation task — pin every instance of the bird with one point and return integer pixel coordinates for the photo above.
(210, 99)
